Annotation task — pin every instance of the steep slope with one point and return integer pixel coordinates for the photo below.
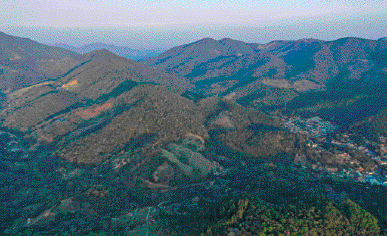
(347, 58)
(100, 75)
(24, 62)
(358, 107)
(183, 60)
(372, 122)
(302, 58)
(245, 130)
(253, 73)
(102, 64)
(133, 54)
(53, 112)
(224, 53)
(89, 126)
(16, 48)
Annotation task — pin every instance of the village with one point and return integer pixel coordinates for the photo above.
(314, 127)
(364, 161)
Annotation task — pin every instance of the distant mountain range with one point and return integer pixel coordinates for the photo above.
(133, 54)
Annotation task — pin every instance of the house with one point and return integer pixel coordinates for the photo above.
(336, 142)
(360, 169)
(345, 155)
(340, 159)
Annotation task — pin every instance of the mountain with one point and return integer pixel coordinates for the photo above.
(183, 60)
(99, 75)
(90, 117)
(112, 146)
(104, 64)
(256, 73)
(16, 48)
(134, 54)
(301, 58)
(24, 62)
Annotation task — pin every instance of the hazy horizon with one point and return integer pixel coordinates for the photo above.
(164, 24)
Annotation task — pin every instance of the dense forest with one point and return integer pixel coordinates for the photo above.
(281, 199)
(359, 106)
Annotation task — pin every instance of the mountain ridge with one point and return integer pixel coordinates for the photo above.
(314, 64)
(134, 54)
(24, 62)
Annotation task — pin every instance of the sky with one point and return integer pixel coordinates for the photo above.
(168, 23)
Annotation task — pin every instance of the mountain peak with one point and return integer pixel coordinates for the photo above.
(230, 41)
(206, 40)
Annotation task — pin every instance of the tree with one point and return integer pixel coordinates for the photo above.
(364, 222)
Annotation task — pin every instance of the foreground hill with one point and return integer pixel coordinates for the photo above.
(84, 118)
(133, 54)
